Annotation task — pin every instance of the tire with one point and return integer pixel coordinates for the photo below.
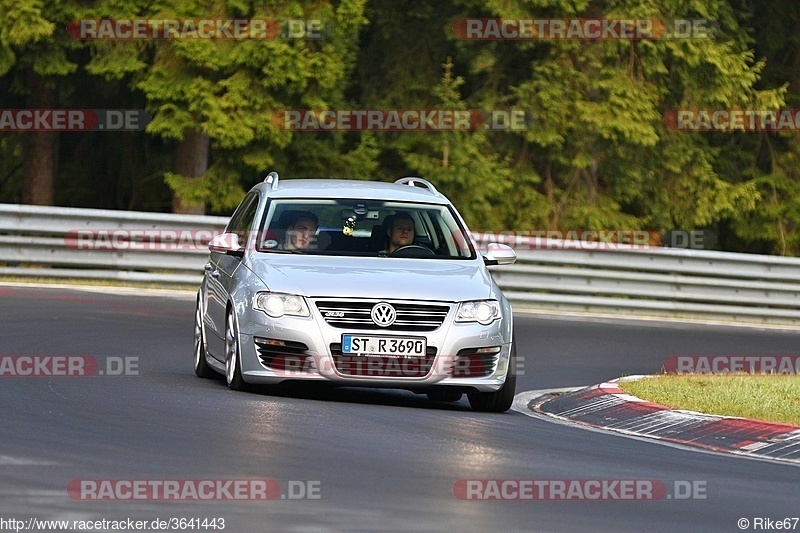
(444, 394)
(502, 399)
(233, 354)
(201, 367)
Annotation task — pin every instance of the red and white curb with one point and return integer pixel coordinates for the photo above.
(607, 407)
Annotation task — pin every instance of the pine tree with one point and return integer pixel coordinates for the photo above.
(35, 51)
(217, 98)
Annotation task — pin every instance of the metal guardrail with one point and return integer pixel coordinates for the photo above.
(154, 249)
(658, 282)
(626, 280)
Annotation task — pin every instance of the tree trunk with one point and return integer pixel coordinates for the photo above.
(40, 147)
(191, 161)
(794, 76)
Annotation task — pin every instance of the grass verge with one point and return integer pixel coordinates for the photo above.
(772, 398)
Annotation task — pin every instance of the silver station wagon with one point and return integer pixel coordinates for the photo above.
(355, 283)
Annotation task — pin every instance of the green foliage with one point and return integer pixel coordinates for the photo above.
(317, 155)
(777, 219)
(461, 163)
(23, 24)
(597, 153)
(33, 34)
(219, 188)
(230, 89)
(600, 105)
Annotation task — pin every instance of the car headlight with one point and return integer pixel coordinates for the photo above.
(481, 311)
(277, 305)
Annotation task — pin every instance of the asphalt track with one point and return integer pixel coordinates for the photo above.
(383, 460)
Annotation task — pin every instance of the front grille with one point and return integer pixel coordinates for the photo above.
(356, 315)
(291, 356)
(469, 363)
(382, 367)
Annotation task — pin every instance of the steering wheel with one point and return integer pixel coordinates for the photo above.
(413, 250)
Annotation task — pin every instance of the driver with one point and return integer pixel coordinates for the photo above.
(400, 231)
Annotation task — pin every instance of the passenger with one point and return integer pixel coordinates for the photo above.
(301, 231)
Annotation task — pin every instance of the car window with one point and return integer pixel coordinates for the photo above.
(242, 220)
(360, 227)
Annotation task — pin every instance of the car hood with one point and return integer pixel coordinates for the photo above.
(373, 277)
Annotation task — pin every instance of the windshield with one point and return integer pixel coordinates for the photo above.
(363, 228)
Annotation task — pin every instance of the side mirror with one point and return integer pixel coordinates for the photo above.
(499, 254)
(226, 243)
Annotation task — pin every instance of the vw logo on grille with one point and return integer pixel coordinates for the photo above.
(383, 314)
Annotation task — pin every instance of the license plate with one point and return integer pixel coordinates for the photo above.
(385, 346)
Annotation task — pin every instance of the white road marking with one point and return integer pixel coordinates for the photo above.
(8, 460)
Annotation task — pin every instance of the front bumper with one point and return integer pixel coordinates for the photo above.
(466, 355)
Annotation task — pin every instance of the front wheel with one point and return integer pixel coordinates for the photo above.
(233, 353)
(502, 399)
(201, 367)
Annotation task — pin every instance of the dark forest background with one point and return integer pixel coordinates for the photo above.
(597, 156)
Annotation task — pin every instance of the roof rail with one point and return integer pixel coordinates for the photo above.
(272, 178)
(416, 182)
